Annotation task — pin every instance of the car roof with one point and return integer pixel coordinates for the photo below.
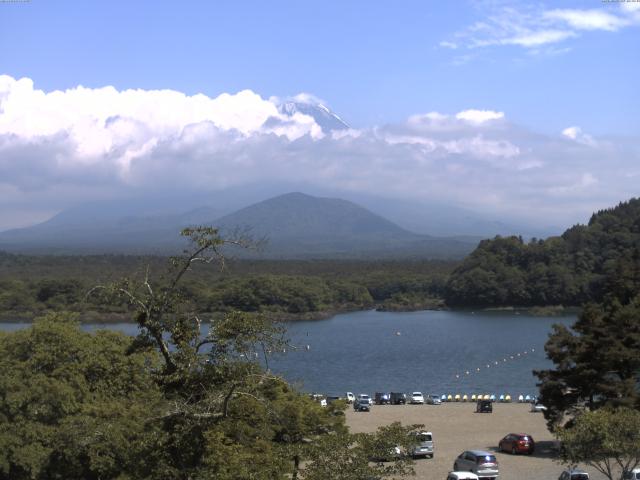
(480, 453)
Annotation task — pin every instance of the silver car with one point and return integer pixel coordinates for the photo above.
(424, 445)
(483, 464)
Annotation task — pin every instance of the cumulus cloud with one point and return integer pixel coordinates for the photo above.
(534, 27)
(576, 134)
(63, 148)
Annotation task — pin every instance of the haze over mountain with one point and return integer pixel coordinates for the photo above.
(296, 226)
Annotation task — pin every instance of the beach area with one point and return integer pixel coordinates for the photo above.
(456, 427)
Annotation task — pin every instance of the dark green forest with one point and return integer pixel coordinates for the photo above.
(33, 285)
(577, 267)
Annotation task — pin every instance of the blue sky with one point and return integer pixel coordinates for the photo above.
(373, 62)
(496, 105)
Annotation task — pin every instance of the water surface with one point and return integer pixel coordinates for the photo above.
(429, 351)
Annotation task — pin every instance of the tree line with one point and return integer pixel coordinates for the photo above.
(32, 286)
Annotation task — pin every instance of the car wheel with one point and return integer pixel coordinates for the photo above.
(513, 451)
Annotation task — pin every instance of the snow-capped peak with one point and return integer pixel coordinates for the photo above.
(323, 116)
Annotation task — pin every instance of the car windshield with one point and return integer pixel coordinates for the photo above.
(488, 459)
(424, 437)
(579, 476)
(417, 394)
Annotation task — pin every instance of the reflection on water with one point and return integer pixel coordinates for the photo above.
(431, 351)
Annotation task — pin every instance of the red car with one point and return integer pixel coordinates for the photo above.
(517, 443)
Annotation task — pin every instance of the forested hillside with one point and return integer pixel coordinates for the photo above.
(33, 285)
(577, 267)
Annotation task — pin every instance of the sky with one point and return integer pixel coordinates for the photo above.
(524, 110)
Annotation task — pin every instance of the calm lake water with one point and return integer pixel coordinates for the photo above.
(429, 351)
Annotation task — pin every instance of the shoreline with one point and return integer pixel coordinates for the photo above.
(93, 317)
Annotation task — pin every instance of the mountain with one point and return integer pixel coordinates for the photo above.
(299, 225)
(296, 226)
(325, 118)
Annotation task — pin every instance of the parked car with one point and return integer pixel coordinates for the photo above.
(483, 464)
(633, 474)
(382, 398)
(362, 405)
(321, 399)
(398, 398)
(350, 397)
(484, 406)
(433, 400)
(537, 407)
(417, 398)
(424, 446)
(517, 443)
(462, 476)
(574, 475)
(388, 456)
(365, 397)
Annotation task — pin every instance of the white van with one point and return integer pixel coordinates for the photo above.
(633, 474)
(462, 476)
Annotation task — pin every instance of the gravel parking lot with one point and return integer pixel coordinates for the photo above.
(456, 427)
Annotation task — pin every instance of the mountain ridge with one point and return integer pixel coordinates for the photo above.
(297, 225)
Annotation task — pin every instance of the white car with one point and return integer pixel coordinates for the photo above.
(574, 475)
(364, 397)
(417, 398)
(462, 476)
(350, 397)
(633, 474)
(537, 407)
(321, 399)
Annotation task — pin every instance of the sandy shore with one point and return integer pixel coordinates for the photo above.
(456, 427)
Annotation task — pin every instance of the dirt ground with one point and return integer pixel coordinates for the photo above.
(456, 427)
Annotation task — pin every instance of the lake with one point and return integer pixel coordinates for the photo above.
(429, 351)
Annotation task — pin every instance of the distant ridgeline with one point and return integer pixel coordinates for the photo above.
(577, 267)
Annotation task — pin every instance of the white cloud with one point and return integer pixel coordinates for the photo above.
(479, 116)
(576, 134)
(534, 27)
(63, 148)
(450, 45)
(126, 124)
(588, 19)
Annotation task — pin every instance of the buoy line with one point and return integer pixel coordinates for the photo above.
(495, 363)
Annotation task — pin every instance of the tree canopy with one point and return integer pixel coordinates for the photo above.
(575, 268)
(606, 439)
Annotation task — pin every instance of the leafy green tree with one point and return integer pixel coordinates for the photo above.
(360, 456)
(606, 439)
(74, 405)
(597, 361)
(229, 417)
